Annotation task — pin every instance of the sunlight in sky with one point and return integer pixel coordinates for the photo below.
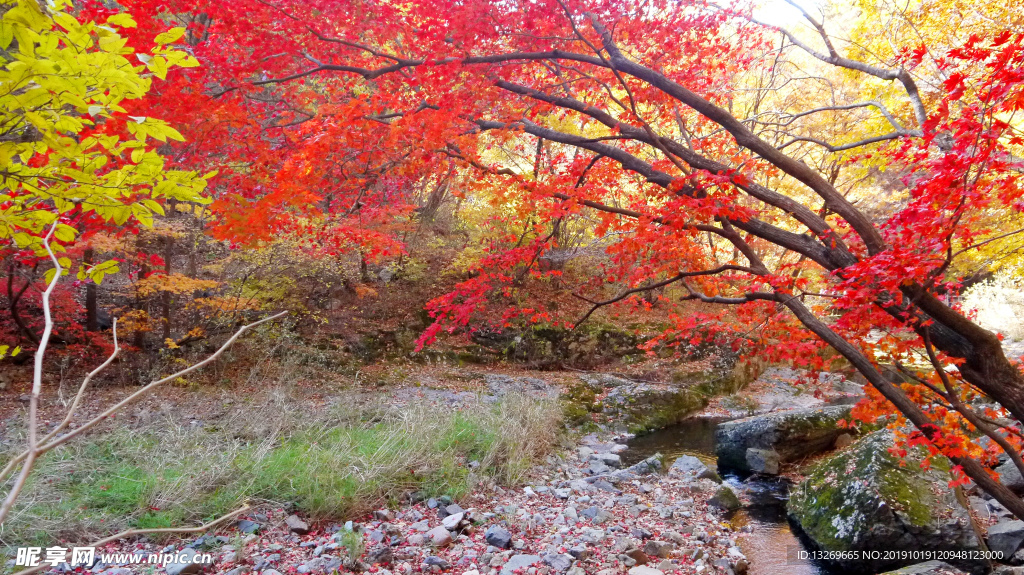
(781, 13)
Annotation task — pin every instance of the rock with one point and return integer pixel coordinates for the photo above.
(436, 561)
(558, 561)
(519, 562)
(928, 568)
(498, 537)
(383, 515)
(763, 461)
(862, 499)
(793, 434)
(246, 526)
(609, 459)
(382, 555)
(185, 566)
(688, 465)
(579, 552)
(439, 537)
(1006, 537)
(662, 549)
(451, 523)
(638, 556)
(296, 525)
(645, 571)
(725, 499)
(571, 514)
(646, 467)
(843, 440)
(1010, 476)
(710, 474)
(644, 406)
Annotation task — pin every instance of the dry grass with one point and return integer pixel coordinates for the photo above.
(331, 463)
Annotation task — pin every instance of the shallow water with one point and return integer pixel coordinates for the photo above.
(772, 546)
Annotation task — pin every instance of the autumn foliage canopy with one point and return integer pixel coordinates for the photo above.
(782, 188)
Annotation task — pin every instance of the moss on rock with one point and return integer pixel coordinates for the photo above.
(865, 499)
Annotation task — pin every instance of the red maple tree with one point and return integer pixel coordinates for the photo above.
(338, 107)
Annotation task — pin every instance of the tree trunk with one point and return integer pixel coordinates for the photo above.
(166, 296)
(140, 334)
(91, 319)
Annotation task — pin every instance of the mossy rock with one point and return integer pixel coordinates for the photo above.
(794, 434)
(864, 499)
(725, 499)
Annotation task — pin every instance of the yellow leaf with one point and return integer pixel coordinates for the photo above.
(169, 36)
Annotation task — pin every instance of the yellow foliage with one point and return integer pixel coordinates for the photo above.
(61, 77)
(175, 283)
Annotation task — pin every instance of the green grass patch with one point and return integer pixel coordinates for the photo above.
(334, 467)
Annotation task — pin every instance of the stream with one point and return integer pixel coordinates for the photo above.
(771, 545)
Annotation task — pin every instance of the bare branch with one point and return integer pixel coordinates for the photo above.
(678, 277)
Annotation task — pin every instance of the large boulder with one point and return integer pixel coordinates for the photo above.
(864, 500)
(642, 406)
(1006, 537)
(1010, 476)
(791, 435)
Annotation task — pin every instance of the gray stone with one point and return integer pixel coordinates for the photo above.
(725, 499)
(296, 525)
(382, 555)
(864, 499)
(498, 537)
(662, 549)
(558, 561)
(843, 441)
(793, 434)
(763, 461)
(439, 537)
(246, 526)
(519, 562)
(432, 561)
(1006, 537)
(571, 514)
(579, 552)
(186, 566)
(646, 467)
(688, 465)
(451, 523)
(1010, 476)
(609, 459)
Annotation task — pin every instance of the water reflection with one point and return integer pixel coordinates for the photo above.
(771, 545)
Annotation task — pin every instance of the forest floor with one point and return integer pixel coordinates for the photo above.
(326, 449)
